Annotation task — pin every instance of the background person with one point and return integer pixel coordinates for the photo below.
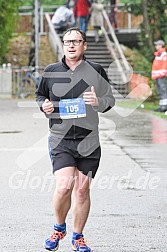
(63, 18)
(72, 108)
(113, 13)
(82, 12)
(159, 73)
(96, 18)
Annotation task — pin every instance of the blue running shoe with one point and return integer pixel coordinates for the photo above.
(52, 243)
(80, 245)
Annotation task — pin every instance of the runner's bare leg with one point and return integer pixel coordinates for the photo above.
(81, 206)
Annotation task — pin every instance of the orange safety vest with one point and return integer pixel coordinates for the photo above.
(159, 66)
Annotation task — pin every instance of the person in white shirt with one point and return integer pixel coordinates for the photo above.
(63, 18)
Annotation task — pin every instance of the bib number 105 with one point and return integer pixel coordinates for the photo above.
(72, 108)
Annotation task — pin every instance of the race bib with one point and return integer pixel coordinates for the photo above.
(72, 108)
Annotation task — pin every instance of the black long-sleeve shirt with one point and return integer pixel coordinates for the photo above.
(60, 82)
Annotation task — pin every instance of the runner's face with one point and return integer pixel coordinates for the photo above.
(74, 52)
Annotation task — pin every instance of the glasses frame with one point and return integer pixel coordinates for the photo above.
(73, 42)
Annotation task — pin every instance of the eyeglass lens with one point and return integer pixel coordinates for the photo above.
(74, 42)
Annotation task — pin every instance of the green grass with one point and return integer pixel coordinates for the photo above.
(149, 106)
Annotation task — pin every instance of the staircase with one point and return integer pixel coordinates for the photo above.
(98, 52)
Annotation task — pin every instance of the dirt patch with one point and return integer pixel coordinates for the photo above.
(46, 55)
(19, 51)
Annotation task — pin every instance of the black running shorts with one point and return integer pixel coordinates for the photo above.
(66, 152)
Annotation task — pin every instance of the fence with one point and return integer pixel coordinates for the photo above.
(18, 82)
(25, 81)
(125, 19)
(22, 82)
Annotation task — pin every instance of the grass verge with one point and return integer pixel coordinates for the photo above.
(147, 106)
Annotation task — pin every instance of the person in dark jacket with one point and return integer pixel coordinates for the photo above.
(71, 93)
(113, 12)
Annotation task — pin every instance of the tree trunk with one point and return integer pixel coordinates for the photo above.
(146, 26)
(156, 18)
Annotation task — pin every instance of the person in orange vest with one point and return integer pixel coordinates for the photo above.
(159, 73)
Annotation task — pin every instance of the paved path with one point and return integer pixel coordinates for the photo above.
(129, 200)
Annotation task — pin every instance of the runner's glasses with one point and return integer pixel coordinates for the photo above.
(74, 42)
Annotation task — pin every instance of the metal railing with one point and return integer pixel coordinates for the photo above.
(54, 39)
(25, 80)
(122, 66)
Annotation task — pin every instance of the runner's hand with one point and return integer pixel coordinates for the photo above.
(47, 107)
(90, 98)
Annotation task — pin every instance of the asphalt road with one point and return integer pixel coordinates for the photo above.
(129, 193)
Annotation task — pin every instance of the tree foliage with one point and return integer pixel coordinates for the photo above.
(8, 16)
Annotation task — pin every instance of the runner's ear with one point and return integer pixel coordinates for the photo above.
(85, 46)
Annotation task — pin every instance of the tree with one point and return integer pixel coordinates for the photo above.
(154, 24)
(8, 15)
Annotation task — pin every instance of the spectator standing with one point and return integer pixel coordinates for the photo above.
(82, 12)
(113, 12)
(96, 18)
(159, 73)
